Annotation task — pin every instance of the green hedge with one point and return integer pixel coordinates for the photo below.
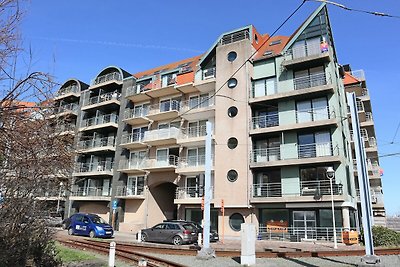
(385, 237)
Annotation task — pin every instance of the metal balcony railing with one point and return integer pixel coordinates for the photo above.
(136, 112)
(266, 154)
(193, 161)
(67, 90)
(107, 77)
(363, 132)
(313, 80)
(172, 105)
(132, 164)
(159, 134)
(196, 131)
(90, 192)
(196, 103)
(304, 51)
(208, 73)
(373, 194)
(125, 191)
(368, 116)
(264, 121)
(132, 138)
(101, 166)
(108, 118)
(103, 98)
(97, 143)
(72, 107)
(315, 150)
(161, 162)
(266, 190)
(189, 192)
(314, 114)
(372, 141)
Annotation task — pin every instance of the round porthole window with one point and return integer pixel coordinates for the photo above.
(232, 111)
(232, 175)
(232, 56)
(232, 142)
(235, 221)
(232, 82)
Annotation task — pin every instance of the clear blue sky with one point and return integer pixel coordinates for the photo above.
(79, 38)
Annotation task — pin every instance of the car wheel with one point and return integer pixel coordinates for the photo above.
(177, 240)
(64, 225)
(144, 237)
(92, 234)
(71, 231)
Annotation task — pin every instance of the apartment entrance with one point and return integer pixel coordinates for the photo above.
(164, 207)
(304, 224)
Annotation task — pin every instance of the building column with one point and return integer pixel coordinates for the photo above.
(346, 217)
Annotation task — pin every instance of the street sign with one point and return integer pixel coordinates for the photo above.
(114, 204)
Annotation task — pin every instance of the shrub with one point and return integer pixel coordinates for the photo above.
(385, 237)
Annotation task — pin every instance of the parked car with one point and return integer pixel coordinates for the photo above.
(177, 233)
(214, 237)
(89, 225)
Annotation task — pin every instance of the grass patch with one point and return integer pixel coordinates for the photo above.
(67, 255)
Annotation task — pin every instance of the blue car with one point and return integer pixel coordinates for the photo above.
(89, 225)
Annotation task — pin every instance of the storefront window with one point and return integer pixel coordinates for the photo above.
(325, 218)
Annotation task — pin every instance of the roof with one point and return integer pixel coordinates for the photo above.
(274, 48)
(350, 79)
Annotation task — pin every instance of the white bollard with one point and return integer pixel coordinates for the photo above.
(111, 256)
(142, 263)
(248, 247)
(139, 236)
(199, 239)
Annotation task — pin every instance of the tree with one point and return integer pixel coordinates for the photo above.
(34, 158)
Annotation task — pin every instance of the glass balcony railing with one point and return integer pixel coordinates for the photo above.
(192, 161)
(102, 166)
(170, 161)
(189, 192)
(130, 191)
(97, 143)
(72, 107)
(91, 192)
(196, 103)
(159, 134)
(68, 90)
(305, 50)
(195, 131)
(107, 77)
(166, 106)
(132, 138)
(136, 112)
(108, 118)
(103, 98)
(265, 121)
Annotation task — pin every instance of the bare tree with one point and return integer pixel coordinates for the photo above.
(34, 158)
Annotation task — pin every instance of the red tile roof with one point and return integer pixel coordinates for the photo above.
(275, 49)
(349, 79)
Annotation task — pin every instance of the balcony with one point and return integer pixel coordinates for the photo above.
(114, 77)
(101, 100)
(190, 194)
(108, 120)
(133, 140)
(90, 193)
(313, 80)
(66, 109)
(372, 168)
(299, 191)
(136, 115)
(94, 169)
(192, 164)
(70, 91)
(67, 128)
(132, 166)
(195, 136)
(164, 110)
(304, 54)
(373, 196)
(197, 109)
(132, 192)
(264, 121)
(364, 135)
(97, 144)
(168, 163)
(293, 154)
(207, 82)
(167, 136)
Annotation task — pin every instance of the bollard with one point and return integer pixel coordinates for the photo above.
(111, 256)
(199, 239)
(139, 236)
(142, 263)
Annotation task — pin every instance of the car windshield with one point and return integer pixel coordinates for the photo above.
(98, 220)
(189, 227)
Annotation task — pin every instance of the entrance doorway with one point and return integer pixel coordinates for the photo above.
(304, 224)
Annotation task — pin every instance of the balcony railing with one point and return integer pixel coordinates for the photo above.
(313, 80)
(372, 141)
(196, 103)
(289, 151)
(368, 116)
(193, 161)
(132, 138)
(97, 143)
(107, 77)
(373, 194)
(68, 90)
(90, 192)
(103, 98)
(191, 192)
(306, 188)
(108, 118)
(314, 114)
(161, 162)
(265, 121)
(132, 164)
(102, 166)
(372, 167)
(208, 73)
(363, 132)
(136, 112)
(125, 191)
(64, 128)
(72, 107)
(304, 51)
(173, 105)
(158, 134)
(192, 132)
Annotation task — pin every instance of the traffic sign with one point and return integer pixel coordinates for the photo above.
(114, 204)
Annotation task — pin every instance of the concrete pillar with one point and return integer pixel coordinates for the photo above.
(248, 247)
(346, 217)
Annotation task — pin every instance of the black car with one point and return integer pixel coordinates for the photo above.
(214, 237)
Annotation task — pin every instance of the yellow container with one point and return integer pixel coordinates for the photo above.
(350, 237)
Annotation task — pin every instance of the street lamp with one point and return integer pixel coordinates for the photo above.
(59, 197)
(330, 174)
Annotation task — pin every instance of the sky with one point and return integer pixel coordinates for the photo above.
(77, 39)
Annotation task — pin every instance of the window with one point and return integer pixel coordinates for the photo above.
(199, 101)
(264, 87)
(195, 186)
(196, 156)
(267, 117)
(235, 221)
(134, 185)
(267, 149)
(306, 48)
(316, 144)
(232, 82)
(313, 181)
(312, 110)
(141, 110)
(232, 56)
(136, 159)
(275, 42)
(232, 111)
(267, 184)
(138, 134)
(309, 78)
(232, 142)
(169, 104)
(197, 128)
(168, 79)
(232, 175)
(142, 86)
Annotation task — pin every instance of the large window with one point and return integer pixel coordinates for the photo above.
(196, 156)
(168, 79)
(197, 128)
(313, 181)
(312, 110)
(311, 145)
(264, 87)
(267, 150)
(134, 185)
(309, 78)
(199, 101)
(267, 117)
(267, 184)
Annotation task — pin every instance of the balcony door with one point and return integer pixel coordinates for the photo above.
(134, 185)
(312, 110)
(197, 128)
(106, 187)
(194, 186)
(162, 157)
(323, 144)
(196, 156)
(268, 150)
(304, 224)
(136, 159)
(313, 145)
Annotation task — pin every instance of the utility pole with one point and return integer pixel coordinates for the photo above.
(366, 207)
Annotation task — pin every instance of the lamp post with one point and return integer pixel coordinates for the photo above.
(59, 197)
(330, 174)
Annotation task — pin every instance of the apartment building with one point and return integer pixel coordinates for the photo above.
(355, 82)
(279, 116)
